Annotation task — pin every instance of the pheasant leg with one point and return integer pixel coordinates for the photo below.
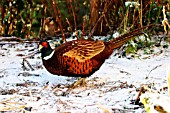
(80, 82)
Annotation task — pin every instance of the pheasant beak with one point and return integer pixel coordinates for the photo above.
(40, 47)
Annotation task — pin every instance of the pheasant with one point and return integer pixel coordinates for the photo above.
(81, 58)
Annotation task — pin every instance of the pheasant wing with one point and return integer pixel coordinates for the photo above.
(84, 50)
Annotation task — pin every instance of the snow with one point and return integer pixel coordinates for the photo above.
(111, 89)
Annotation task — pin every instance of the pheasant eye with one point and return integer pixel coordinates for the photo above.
(44, 44)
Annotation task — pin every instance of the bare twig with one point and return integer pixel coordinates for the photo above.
(92, 31)
(8, 40)
(10, 104)
(142, 91)
(105, 110)
(107, 22)
(24, 60)
(58, 18)
(100, 19)
(31, 54)
(74, 16)
(11, 39)
(70, 28)
(165, 21)
(84, 25)
(152, 70)
(118, 110)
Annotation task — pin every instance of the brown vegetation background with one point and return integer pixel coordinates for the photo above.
(38, 18)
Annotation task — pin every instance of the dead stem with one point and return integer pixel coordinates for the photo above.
(10, 104)
(92, 31)
(23, 64)
(30, 55)
(58, 18)
(152, 70)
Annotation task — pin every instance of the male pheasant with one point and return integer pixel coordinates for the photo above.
(81, 58)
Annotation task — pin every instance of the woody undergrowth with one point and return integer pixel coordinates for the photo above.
(25, 19)
(150, 38)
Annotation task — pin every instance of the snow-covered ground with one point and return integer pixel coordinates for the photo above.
(113, 88)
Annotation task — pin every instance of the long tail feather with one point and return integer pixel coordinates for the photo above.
(120, 40)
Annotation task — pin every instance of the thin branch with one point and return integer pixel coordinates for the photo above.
(107, 22)
(92, 31)
(100, 18)
(31, 54)
(152, 70)
(17, 39)
(57, 15)
(24, 60)
(74, 16)
(70, 28)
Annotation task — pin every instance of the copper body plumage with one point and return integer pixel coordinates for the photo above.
(81, 58)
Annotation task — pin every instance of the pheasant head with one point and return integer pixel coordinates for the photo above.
(46, 50)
